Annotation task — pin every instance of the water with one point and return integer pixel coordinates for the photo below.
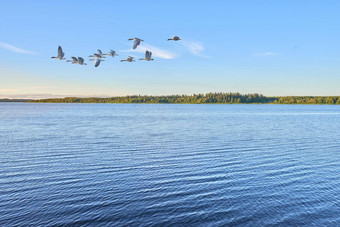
(165, 165)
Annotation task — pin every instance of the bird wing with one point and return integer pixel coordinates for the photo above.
(74, 59)
(100, 52)
(150, 53)
(97, 62)
(81, 60)
(136, 43)
(146, 54)
(60, 51)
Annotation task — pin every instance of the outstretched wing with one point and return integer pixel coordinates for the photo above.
(136, 43)
(74, 59)
(99, 52)
(81, 60)
(150, 53)
(60, 52)
(146, 54)
(112, 52)
(97, 62)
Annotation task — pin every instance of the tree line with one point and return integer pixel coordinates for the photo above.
(15, 100)
(217, 97)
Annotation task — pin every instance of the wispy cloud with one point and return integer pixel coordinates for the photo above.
(265, 54)
(16, 49)
(194, 47)
(156, 52)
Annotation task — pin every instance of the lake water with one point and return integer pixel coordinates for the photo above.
(169, 165)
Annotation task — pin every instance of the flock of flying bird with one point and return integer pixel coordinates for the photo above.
(97, 57)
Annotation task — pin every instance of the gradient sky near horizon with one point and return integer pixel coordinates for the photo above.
(269, 47)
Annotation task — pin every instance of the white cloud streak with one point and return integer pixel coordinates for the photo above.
(16, 49)
(156, 52)
(265, 54)
(194, 47)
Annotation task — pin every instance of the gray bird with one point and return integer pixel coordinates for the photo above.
(96, 61)
(99, 54)
(129, 59)
(81, 61)
(74, 60)
(147, 56)
(61, 54)
(175, 38)
(136, 42)
(112, 53)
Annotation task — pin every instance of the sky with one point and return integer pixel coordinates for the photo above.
(275, 48)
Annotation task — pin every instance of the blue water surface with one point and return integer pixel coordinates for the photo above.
(169, 165)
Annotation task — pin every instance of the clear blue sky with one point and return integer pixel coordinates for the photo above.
(270, 47)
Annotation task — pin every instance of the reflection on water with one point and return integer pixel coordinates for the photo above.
(126, 164)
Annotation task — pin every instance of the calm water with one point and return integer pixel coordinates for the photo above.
(156, 165)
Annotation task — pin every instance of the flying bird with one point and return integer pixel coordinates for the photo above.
(61, 54)
(147, 56)
(112, 53)
(99, 54)
(175, 38)
(74, 60)
(136, 42)
(129, 59)
(96, 61)
(81, 61)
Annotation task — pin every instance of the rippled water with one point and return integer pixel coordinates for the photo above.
(146, 165)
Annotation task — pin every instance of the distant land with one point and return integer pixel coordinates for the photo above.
(208, 98)
(15, 100)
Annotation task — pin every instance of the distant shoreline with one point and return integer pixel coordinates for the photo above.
(16, 100)
(208, 98)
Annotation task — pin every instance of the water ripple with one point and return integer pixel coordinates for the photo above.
(169, 165)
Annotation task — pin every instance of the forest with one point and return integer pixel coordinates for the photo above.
(217, 98)
(15, 100)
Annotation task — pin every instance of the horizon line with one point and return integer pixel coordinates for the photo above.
(51, 96)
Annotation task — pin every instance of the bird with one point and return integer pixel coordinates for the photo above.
(175, 38)
(96, 61)
(61, 54)
(147, 56)
(136, 42)
(74, 60)
(99, 54)
(81, 61)
(112, 53)
(95, 56)
(129, 59)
